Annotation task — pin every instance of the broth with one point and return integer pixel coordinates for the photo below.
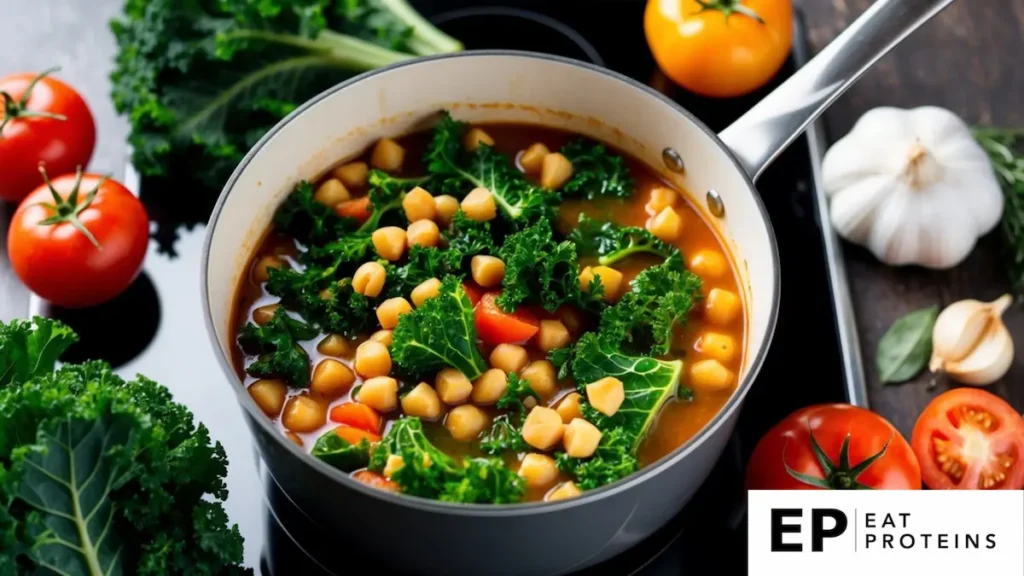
(678, 420)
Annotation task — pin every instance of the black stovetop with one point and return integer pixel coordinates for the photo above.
(166, 338)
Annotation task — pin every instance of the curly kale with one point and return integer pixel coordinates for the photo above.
(648, 315)
(340, 453)
(439, 334)
(614, 459)
(428, 472)
(517, 390)
(202, 82)
(99, 475)
(470, 237)
(596, 172)
(457, 172)
(540, 270)
(423, 263)
(611, 242)
(277, 346)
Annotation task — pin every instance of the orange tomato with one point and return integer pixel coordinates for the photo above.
(719, 48)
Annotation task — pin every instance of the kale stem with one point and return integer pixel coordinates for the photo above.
(613, 257)
(346, 51)
(426, 38)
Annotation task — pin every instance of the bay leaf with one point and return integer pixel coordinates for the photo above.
(906, 346)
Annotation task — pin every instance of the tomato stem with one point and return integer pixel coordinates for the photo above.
(728, 8)
(67, 211)
(17, 108)
(836, 476)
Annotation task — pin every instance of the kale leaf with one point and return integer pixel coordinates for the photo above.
(439, 334)
(423, 263)
(29, 349)
(202, 82)
(648, 383)
(504, 436)
(428, 472)
(516, 391)
(457, 172)
(660, 300)
(102, 475)
(614, 459)
(540, 270)
(386, 194)
(340, 453)
(596, 172)
(277, 345)
(470, 237)
(611, 242)
(309, 221)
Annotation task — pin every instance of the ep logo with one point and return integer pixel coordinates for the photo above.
(820, 523)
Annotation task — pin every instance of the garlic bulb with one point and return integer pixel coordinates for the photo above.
(913, 186)
(970, 343)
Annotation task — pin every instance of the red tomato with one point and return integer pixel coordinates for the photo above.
(42, 120)
(356, 415)
(473, 291)
(970, 439)
(833, 446)
(355, 435)
(496, 327)
(375, 480)
(82, 248)
(358, 208)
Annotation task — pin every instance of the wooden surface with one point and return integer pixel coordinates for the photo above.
(964, 60)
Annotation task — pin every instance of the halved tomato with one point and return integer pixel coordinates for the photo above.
(494, 326)
(473, 291)
(357, 209)
(375, 480)
(970, 439)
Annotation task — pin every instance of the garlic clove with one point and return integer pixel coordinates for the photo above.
(959, 328)
(988, 361)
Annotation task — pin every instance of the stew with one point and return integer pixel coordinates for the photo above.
(490, 314)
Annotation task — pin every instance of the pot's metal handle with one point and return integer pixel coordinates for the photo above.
(772, 124)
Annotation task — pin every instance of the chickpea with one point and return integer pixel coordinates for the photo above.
(261, 270)
(487, 271)
(538, 470)
(479, 205)
(425, 291)
(466, 422)
(331, 379)
(331, 192)
(372, 359)
(393, 464)
(422, 401)
(710, 376)
(333, 345)
(379, 393)
(389, 311)
(666, 225)
(541, 376)
(543, 428)
(709, 264)
(552, 335)
(475, 137)
(581, 438)
(721, 347)
(606, 395)
(295, 438)
(369, 279)
(721, 306)
(423, 233)
(389, 242)
(387, 155)
(569, 407)
(555, 171)
(611, 281)
(269, 396)
(445, 207)
(419, 205)
(264, 314)
(452, 386)
(353, 174)
(303, 414)
(661, 198)
(385, 337)
(489, 387)
(533, 158)
(564, 491)
(509, 358)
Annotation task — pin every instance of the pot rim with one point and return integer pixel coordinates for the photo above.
(491, 510)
